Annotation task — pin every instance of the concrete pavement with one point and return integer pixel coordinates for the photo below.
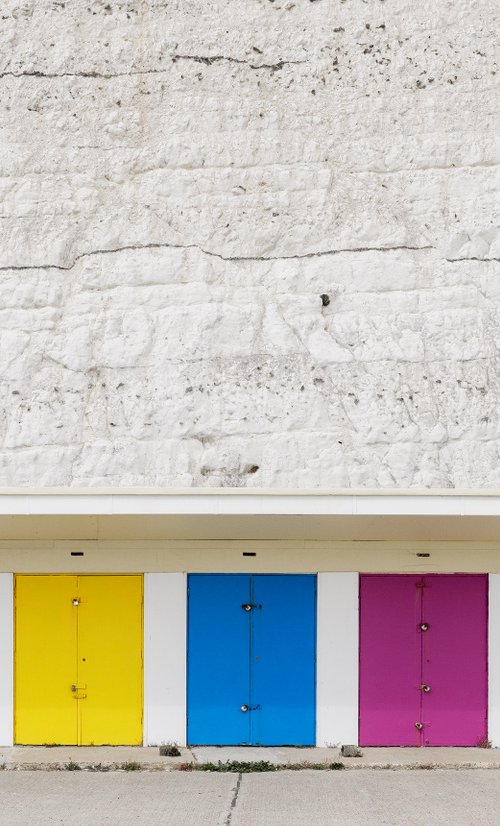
(117, 757)
(286, 798)
(370, 757)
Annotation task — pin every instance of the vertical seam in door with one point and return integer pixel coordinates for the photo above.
(250, 664)
(77, 669)
(421, 592)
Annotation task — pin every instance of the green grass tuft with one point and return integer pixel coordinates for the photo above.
(237, 766)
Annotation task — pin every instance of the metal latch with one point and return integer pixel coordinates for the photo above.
(245, 708)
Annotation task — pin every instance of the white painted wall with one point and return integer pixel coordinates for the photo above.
(185, 284)
(165, 607)
(6, 659)
(337, 658)
(494, 660)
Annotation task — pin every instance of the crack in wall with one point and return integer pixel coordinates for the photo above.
(211, 253)
(207, 60)
(90, 74)
(470, 258)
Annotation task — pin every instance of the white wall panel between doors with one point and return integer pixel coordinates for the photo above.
(6, 659)
(165, 598)
(337, 659)
(494, 660)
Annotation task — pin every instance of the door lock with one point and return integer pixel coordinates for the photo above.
(245, 708)
(425, 688)
(75, 601)
(424, 626)
(247, 606)
(419, 726)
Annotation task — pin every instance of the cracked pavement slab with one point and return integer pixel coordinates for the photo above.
(416, 798)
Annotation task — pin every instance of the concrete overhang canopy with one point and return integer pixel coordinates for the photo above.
(233, 513)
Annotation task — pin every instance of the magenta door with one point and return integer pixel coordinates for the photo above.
(423, 659)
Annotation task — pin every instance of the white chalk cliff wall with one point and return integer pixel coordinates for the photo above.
(249, 243)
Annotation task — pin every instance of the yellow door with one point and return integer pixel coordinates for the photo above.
(46, 634)
(110, 660)
(78, 672)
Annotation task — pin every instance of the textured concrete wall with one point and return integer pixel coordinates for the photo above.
(181, 183)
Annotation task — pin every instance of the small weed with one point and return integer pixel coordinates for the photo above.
(186, 767)
(237, 766)
(3, 766)
(170, 750)
(483, 743)
(336, 766)
(72, 767)
(423, 766)
(130, 767)
(295, 767)
(99, 767)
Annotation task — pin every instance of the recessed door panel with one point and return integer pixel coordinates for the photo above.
(110, 660)
(283, 660)
(389, 699)
(454, 660)
(45, 660)
(218, 664)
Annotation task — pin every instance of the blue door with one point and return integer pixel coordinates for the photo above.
(251, 659)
